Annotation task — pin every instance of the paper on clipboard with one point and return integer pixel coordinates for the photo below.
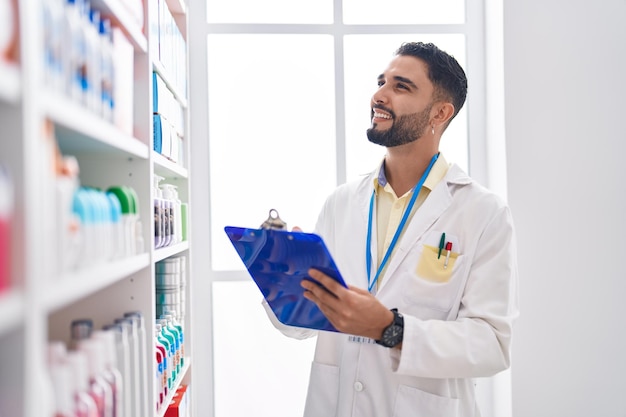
(278, 261)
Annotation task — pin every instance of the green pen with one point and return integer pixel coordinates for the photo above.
(442, 242)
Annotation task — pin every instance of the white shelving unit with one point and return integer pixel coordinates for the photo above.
(41, 303)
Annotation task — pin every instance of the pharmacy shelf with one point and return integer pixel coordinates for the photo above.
(166, 168)
(163, 253)
(77, 285)
(12, 311)
(175, 386)
(164, 74)
(79, 130)
(10, 82)
(115, 10)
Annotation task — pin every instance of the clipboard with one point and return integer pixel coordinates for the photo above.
(278, 261)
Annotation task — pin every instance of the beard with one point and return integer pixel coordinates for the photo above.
(405, 129)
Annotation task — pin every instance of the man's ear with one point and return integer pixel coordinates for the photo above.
(443, 112)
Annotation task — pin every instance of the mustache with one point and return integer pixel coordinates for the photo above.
(383, 108)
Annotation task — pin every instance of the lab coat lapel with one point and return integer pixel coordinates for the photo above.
(435, 204)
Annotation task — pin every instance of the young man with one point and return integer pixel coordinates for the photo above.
(429, 256)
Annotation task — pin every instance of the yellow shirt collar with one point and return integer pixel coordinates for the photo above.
(437, 172)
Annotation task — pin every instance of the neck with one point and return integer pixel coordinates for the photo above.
(404, 167)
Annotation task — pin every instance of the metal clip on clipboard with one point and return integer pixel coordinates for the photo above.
(274, 221)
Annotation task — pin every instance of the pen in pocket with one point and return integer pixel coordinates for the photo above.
(448, 249)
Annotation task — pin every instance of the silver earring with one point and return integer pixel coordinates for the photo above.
(433, 127)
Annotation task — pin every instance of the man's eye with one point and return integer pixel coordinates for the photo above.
(402, 86)
(380, 83)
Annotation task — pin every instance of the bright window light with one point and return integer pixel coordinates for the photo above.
(376, 12)
(272, 130)
(270, 11)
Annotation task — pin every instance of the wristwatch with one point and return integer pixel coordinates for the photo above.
(392, 335)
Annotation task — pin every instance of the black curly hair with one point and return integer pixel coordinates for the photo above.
(444, 71)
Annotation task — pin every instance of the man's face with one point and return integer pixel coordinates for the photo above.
(402, 104)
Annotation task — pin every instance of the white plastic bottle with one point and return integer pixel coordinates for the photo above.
(123, 363)
(111, 373)
(131, 330)
(100, 389)
(138, 319)
(94, 67)
(84, 404)
(117, 227)
(74, 57)
(61, 378)
(66, 186)
(106, 69)
(52, 42)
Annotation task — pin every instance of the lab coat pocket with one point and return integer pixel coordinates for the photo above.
(411, 401)
(435, 268)
(323, 392)
(432, 285)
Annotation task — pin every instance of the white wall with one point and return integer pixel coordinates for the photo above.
(565, 87)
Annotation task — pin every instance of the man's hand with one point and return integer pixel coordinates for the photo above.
(351, 310)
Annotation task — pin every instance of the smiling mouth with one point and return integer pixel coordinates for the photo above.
(379, 115)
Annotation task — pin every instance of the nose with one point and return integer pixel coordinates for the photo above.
(379, 97)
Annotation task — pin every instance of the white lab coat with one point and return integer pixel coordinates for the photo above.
(456, 328)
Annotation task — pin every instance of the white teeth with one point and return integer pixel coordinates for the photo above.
(382, 115)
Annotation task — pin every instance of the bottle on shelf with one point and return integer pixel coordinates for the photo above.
(6, 218)
(74, 57)
(80, 329)
(170, 316)
(159, 213)
(136, 395)
(111, 373)
(106, 69)
(167, 346)
(9, 32)
(61, 377)
(84, 404)
(99, 388)
(137, 318)
(160, 377)
(172, 337)
(171, 195)
(53, 16)
(123, 363)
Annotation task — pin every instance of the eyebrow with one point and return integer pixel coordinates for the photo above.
(399, 78)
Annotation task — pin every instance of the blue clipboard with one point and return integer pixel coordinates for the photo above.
(278, 261)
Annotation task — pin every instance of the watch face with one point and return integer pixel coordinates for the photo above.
(392, 335)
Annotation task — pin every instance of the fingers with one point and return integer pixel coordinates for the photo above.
(359, 290)
(327, 282)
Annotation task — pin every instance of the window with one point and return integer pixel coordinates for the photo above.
(288, 105)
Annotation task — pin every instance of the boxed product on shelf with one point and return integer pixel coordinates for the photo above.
(169, 123)
(179, 407)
